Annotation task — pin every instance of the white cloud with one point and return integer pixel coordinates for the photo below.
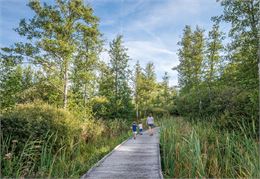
(152, 28)
(164, 59)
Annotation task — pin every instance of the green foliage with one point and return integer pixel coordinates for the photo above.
(217, 83)
(150, 96)
(222, 85)
(199, 150)
(60, 36)
(213, 48)
(159, 112)
(114, 83)
(39, 140)
(36, 120)
(39, 158)
(231, 106)
(10, 83)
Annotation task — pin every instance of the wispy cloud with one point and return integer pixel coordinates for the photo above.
(151, 28)
(147, 51)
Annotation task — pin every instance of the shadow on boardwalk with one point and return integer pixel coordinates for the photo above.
(138, 158)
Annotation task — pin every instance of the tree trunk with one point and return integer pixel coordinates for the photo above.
(65, 90)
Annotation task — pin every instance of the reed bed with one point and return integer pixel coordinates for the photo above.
(41, 158)
(191, 150)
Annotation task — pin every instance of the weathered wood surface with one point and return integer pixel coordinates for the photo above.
(138, 158)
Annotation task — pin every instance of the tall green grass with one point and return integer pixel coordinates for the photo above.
(40, 140)
(41, 159)
(200, 150)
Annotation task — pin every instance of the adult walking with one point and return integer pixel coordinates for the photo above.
(150, 123)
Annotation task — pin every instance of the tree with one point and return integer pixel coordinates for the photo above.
(150, 86)
(166, 89)
(57, 34)
(243, 49)
(213, 57)
(191, 55)
(138, 83)
(10, 83)
(198, 46)
(121, 100)
(185, 57)
(213, 60)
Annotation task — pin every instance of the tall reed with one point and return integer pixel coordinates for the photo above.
(200, 150)
(41, 159)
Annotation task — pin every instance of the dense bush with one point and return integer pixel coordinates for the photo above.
(159, 112)
(100, 107)
(92, 129)
(40, 140)
(232, 107)
(36, 120)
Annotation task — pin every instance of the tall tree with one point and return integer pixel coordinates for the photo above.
(198, 46)
(121, 99)
(166, 89)
(56, 35)
(150, 85)
(213, 61)
(185, 57)
(245, 40)
(138, 83)
(10, 81)
(213, 58)
(85, 65)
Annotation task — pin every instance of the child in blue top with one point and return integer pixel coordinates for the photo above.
(134, 129)
(140, 126)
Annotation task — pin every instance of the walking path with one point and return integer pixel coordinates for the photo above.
(138, 158)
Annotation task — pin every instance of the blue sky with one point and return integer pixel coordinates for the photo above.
(151, 28)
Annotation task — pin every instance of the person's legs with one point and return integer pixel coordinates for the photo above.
(152, 126)
(134, 135)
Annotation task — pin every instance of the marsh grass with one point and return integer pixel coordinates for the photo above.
(41, 158)
(200, 150)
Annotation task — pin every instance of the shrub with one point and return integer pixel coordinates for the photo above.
(100, 106)
(92, 130)
(35, 120)
(159, 112)
(39, 140)
(232, 106)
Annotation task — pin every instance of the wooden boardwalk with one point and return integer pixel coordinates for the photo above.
(138, 158)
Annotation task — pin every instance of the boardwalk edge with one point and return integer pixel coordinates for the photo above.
(103, 159)
(159, 157)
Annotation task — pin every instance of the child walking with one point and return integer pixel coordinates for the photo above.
(140, 126)
(134, 129)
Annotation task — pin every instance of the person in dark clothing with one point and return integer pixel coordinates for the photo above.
(134, 129)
